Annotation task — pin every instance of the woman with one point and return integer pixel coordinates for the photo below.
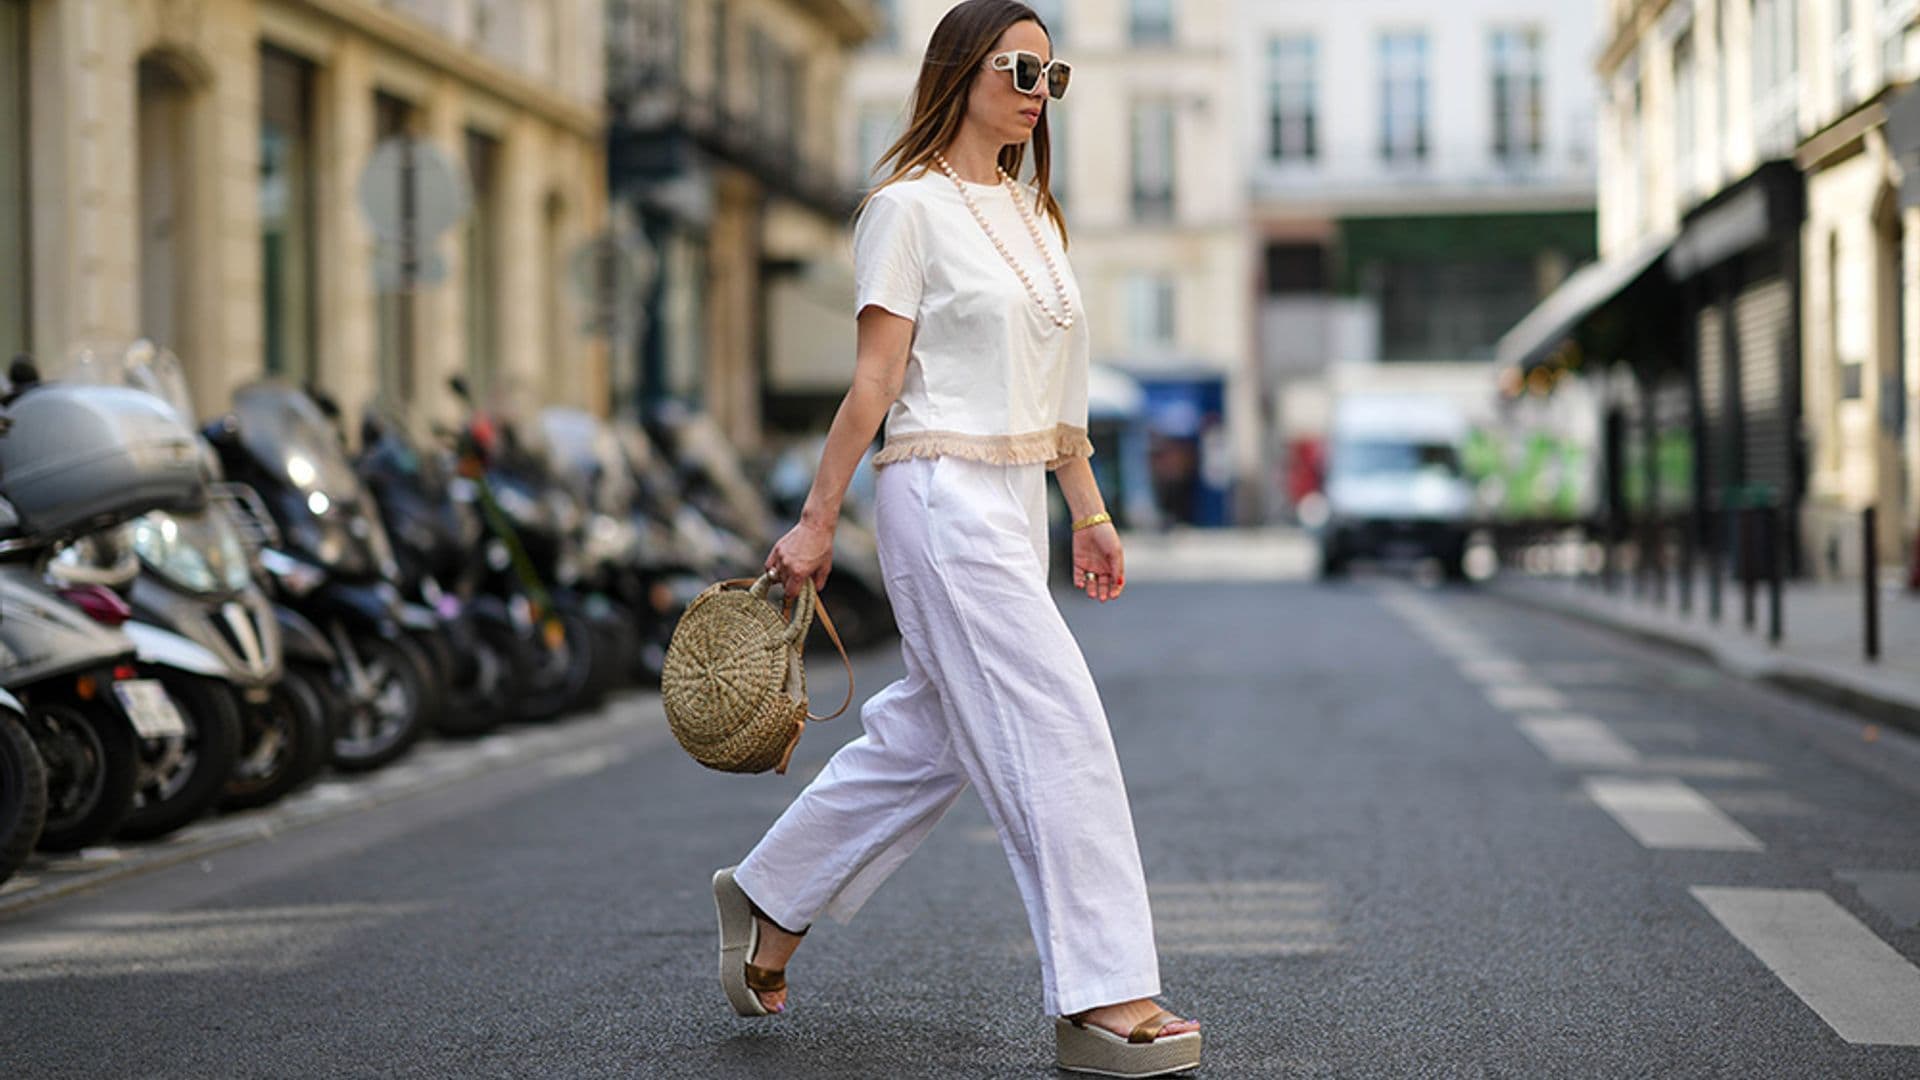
(971, 347)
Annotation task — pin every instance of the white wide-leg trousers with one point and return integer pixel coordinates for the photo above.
(997, 694)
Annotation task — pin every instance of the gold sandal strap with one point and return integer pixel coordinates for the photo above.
(1149, 1029)
(766, 980)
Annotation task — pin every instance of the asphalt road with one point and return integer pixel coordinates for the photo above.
(1388, 832)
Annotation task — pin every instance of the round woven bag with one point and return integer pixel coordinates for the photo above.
(734, 687)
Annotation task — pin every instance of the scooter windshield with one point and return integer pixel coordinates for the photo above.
(585, 450)
(140, 366)
(285, 431)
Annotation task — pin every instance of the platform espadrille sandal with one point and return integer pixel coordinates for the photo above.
(742, 979)
(1090, 1048)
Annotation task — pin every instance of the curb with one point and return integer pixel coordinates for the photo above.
(428, 768)
(1879, 700)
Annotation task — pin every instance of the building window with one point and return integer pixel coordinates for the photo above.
(1293, 120)
(1153, 160)
(1403, 97)
(483, 261)
(1685, 118)
(1293, 269)
(15, 275)
(1452, 309)
(1150, 22)
(1895, 17)
(286, 214)
(1846, 49)
(1053, 15)
(1518, 112)
(394, 312)
(1149, 305)
(1774, 67)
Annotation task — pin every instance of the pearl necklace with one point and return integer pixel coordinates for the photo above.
(1064, 320)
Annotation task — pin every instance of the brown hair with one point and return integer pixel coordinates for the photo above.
(955, 54)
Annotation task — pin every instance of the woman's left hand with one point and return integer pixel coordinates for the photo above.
(1098, 565)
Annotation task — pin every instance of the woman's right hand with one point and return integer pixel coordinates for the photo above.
(804, 554)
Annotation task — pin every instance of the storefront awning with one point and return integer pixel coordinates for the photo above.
(1585, 291)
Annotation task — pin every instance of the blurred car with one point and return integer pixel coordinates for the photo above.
(1395, 489)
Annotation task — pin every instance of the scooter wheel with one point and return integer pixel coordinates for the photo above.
(23, 794)
(93, 762)
(286, 742)
(496, 683)
(380, 729)
(184, 777)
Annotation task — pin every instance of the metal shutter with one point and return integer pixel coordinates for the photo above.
(1710, 362)
(1763, 315)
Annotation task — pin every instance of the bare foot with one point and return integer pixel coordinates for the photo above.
(1122, 1018)
(776, 946)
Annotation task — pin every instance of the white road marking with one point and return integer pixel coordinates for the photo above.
(1525, 697)
(1858, 984)
(1668, 814)
(1495, 671)
(1712, 767)
(1578, 741)
(1244, 918)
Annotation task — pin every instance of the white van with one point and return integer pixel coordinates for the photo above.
(1394, 486)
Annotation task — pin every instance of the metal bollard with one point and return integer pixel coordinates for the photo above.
(1870, 578)
(1770, 518)
(1657, 534)
(1686, 565)
(1716, 556)
(1743, 528)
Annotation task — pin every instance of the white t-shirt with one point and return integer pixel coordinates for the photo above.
(989, 374)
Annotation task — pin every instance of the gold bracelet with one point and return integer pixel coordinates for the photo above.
(1091, 520)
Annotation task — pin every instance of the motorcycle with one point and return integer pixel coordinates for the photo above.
(181, 775)
(488, 655)
(626, 557)
(200, 615)
(528, 560)
(76, 459)
(23, 787)
(332, 572)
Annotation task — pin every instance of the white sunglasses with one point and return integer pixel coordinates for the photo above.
(1028, 70)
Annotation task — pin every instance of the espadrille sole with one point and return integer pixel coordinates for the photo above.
(1094, 1049)
(739, 940)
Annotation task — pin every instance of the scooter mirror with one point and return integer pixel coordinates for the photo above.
(222, 431)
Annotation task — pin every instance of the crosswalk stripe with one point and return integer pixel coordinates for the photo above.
(1857, 983)
(1244, 918)
(1666, 813)
(1578, 741)
(1525, 697)
(1498, 670)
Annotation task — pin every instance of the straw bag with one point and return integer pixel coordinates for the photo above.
(734, 688)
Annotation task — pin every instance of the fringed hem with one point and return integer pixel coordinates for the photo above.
(1053, 448)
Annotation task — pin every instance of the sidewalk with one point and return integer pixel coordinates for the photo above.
(1820, 654)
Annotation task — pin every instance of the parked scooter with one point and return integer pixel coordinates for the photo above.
(181, 775)
(199, 615)
(23, 787)
(526, 560)
(77, 459)
(334, 569)
(624, 557)
(488, 654)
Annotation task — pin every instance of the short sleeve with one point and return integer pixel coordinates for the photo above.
(887, 265)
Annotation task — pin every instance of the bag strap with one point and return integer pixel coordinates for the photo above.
(759, 585)
(826, 620)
